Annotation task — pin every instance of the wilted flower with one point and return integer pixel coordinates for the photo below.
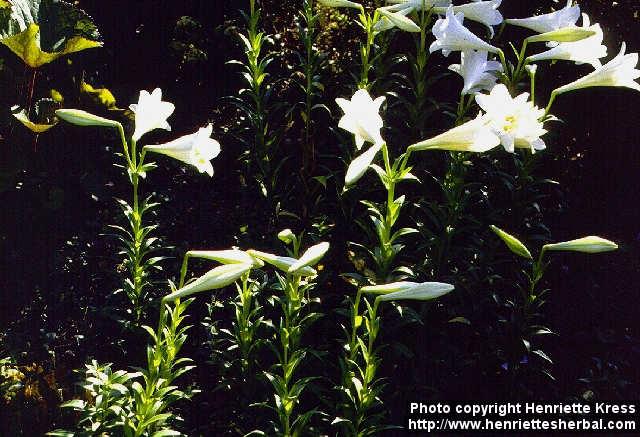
(472, 136)
(362, 117)
(619, 72)
(585, 51)
(451, 36)
(565, 17)
(196, 149)
(514, 120)
(485, 12)
(477, 71)
(151, 113)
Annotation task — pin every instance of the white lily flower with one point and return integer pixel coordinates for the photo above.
(590, 244)
(151, 113)
(485, 12)
(565, 17)
(216, 278)
(478, 73)
(585, 51)
(389, 20)
(619, 72)
(196, 149)
(406, 290)
(514, 120)
(362, 117)
(451, 36)
(473, 136)
(340, 4)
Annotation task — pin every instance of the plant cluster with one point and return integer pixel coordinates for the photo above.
(425, 220)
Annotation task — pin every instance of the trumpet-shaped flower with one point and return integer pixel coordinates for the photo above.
(451, 36)
(514, 120)
(340, 4)
(619, 72)
(485, 12)
(196, 149)
(478, 73)
(585, 51)
(565, 17)
(406, 290)
(473, 136)
(151, 113)
(362, 117)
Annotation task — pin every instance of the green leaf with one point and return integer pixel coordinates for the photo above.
(512, 243)
(40, 31)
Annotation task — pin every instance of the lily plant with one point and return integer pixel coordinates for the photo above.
(527, 320)
(196, 149)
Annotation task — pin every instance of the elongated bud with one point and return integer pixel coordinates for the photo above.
(216, 278)
(84, 118)
(566, 34)
(590, 244)
(310, 257)
(409, 290)
(340, 4)
(400, 20)
(512, 243)
(230, 256)
(281, 262)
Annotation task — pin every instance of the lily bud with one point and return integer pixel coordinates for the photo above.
(84, 118)
(214, 279)
(512, 243)
(229, 256)
(310, 257)
(590, 244)
(340, 4)
(566, 34)
(287, 236)
(283, 263)
(409, 290)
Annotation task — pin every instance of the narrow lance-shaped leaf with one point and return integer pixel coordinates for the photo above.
(512, 243)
